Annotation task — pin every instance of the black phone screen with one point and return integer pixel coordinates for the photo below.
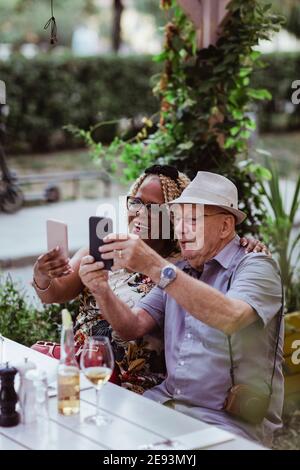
(99, 228)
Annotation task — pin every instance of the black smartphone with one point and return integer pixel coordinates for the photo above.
(99, 228)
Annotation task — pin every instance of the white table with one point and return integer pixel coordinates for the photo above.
(136, 421)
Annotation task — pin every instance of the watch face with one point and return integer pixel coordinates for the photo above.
(169, 272)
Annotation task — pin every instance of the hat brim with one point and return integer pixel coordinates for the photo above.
(239, 215)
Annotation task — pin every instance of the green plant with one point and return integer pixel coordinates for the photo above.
(24, 322)
(205, 96)
(279, 233)
(48, 92)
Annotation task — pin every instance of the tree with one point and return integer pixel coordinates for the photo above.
(118, 9)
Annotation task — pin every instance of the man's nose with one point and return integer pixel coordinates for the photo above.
(182, 228)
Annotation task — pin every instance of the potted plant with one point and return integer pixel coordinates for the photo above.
(281, 235)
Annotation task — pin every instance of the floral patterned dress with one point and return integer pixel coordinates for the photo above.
(141, 362)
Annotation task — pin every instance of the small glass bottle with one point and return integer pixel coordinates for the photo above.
(68, 376)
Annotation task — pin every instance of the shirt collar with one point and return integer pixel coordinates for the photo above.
(224, 257)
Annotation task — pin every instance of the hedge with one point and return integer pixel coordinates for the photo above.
(46, 93)
(281, 70)
(22, 320)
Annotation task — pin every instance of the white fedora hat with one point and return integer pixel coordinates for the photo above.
(214, 190)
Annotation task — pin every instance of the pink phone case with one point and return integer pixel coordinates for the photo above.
(57, 235)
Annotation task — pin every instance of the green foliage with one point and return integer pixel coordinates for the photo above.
(291, 11)
(48, 92)
(22, 321)
(281, 70)
(206, 97)
(279, 234)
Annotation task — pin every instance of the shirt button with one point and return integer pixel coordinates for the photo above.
(178, 391)
(189, 335)
(181, 363)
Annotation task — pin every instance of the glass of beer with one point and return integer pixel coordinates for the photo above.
(97, 364)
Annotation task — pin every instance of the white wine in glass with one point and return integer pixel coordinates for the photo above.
(98, 375)
(97, 364)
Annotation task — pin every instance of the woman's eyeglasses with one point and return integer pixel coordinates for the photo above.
(135, 204)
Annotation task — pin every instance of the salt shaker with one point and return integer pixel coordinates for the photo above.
(36, 396)
(8, 397)
(23, 368)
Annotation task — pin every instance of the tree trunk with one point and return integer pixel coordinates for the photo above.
(116, 26)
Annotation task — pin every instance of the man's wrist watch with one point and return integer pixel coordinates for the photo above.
(167, 275)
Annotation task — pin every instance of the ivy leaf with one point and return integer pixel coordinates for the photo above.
(260, 171)
(230, 142)
(245, 71)
(234, 131)
(237, 114)
(186, 145)
(259, 94)
(255, 55)
(251, 125)
(245, 135)
(160, 57)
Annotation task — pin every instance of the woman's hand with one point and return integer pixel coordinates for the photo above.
(255, 246)
(51, 265)
(93, 275)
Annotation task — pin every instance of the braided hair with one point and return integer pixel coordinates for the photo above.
(172, 182)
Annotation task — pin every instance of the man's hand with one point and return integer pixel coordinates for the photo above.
(130, 252)
(93, 275)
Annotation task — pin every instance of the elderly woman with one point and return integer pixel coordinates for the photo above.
(58, 280)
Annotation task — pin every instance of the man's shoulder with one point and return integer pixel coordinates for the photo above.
(259, 263)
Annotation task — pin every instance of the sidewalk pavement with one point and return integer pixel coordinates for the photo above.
(23, 235)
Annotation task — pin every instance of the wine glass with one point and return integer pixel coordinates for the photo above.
(97, 364)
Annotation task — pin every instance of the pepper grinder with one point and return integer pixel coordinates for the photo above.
(8, 397)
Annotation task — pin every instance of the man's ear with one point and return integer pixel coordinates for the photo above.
(228, 226)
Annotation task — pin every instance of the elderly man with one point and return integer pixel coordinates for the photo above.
(220, 310)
